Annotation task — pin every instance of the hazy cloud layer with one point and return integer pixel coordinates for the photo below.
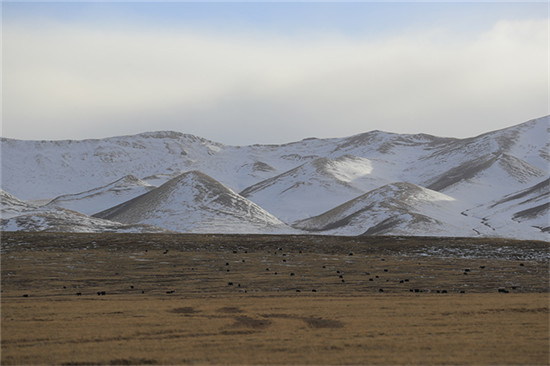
(75, 81)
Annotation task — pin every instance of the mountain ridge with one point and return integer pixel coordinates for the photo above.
(101, 198)
(299, 180)
(194, 202)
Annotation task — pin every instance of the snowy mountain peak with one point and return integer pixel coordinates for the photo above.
(206, 186)
(382, 210)
(130, 180)
(180, 137)
(414, 184)
(195, 202)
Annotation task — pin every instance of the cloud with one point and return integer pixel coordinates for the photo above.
(75, 81)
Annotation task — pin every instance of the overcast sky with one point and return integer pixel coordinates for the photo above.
(253, 72)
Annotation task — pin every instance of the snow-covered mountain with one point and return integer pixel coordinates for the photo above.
(102, 198)
(63, 220)
(298, 181)
(528, 207)
(295, 194)
(11, 206)
(397, 208)
(195, 202)
(16, 215)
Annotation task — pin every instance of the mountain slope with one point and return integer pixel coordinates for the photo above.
(296, 194)
(101, 198)
(47, 169)
(394, 209)
(529, 208)
(11, 206)
(20, 216)
(304, 178)
(63, 220)
(195, 202)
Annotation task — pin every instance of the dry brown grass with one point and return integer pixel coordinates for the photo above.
(374, 329)
(177, 307)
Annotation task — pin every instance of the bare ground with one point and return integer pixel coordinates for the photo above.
(233, 299)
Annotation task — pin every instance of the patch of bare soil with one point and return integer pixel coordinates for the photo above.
(184, 310)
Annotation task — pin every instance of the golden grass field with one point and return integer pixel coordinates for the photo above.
(235, 299)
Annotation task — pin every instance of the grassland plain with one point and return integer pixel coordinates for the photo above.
(75, 299)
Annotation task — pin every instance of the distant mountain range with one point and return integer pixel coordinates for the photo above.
(377, 183)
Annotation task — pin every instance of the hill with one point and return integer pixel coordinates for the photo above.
(298, 181)
(195, 202)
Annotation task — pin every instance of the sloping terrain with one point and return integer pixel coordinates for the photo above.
(195, 202)
(489, 177)
(299, 180)
(79, 166)
(314, 187)
(396, 208)
(102, 198)
(17, 215)
(529, 207)
(64, 220)
(11, 206)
